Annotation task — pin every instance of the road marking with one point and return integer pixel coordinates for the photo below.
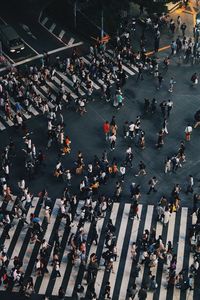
(44, 21)
(129, 260)
(120, 242)
(181, 248)
(30, 47)
(64, 259)
(2, 127)
(42, 55)
(170, 237)
(71, 41)
(61, 34)
(8, 57)
(147, 225)
(53, 26)
(52, 33)
(101, 271)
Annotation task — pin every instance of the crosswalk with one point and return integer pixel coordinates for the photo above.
(53, 85)
(128, 230)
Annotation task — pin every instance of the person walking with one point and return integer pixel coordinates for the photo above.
(112, 139)
(190, 184)
(107, 290)
(152, 185)
(171, 84)
(106, 129)
(169, 107)
(188, 131)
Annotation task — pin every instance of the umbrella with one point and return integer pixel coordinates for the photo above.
(36, 220)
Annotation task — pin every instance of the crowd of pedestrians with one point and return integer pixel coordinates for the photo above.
(22, 90)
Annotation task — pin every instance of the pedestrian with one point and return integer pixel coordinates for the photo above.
(171, 84)
(195, 79)
(106, 129)
(188, 131)
(167, 165)
(160, 141)
(126, 129)
(122, 170)
(172, 26)
(160, 80)
(153, 105)
(164, 127)
(132, 130)
(152, 184)
(107, 290)
(142, 294)
(112, 139)
(142, 169)
(169, 107)
(183, 28)
(190, 184)
(179, 22)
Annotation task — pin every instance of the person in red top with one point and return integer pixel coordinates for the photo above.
(106, 129)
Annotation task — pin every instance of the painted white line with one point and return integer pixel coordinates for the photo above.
(170, 237)
(8, 57)
(129, 65)
(65, 260)
(8, 121)
(190, 293)
(120, 242)
(147, 225)
(44, 21)
(129, 261)
(48, 232)
(66, 79)
(33, 110)
(159, 229)
(24, 61)
(101, 271)
(61, 34)
(65, 47)
(23, 232)
(30, 47)
(71, 41)
(2, 127)
(123, 66)
(75, 269)
(181, 248)
(52, 34)
(57, 80)
(53, 26)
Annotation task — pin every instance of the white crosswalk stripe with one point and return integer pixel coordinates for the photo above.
(120, 216)
(53, 26)
(44, 21)
(42, 90)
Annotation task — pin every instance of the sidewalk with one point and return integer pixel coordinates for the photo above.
(189, 17)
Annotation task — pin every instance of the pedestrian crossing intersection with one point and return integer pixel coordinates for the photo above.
(128, 230)
(53, 85)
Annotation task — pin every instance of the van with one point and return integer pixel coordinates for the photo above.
(10, 39)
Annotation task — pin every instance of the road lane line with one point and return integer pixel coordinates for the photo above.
(53, 26)
(44, 21)
(30, 47)
(61, 34)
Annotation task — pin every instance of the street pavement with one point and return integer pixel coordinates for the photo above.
(87, 135)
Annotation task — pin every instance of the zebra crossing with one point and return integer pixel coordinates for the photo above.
(128, 230)
(53, 85)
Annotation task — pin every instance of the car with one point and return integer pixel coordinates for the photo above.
(10, 39)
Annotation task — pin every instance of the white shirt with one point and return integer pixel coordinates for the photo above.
(131, 127)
